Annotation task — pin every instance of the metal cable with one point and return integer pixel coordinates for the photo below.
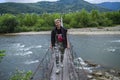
(79, 62)
(39, 64)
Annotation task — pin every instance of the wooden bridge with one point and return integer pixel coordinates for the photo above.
(46, 69)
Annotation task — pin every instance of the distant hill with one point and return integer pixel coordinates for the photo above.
(110, 5)
(61, 6)
(15, 8)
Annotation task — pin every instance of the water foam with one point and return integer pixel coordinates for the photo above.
(115, 41)
(19, 45)
(24, 53)
(111, 50)
(81, 64)
(25, 49)
(39, 46)
(31, 62)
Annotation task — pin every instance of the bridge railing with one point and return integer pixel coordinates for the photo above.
(44, 67)
(77, 74)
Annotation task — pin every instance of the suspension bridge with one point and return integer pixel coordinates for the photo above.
(46, 69)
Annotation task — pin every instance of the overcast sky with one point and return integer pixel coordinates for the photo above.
(31, 1)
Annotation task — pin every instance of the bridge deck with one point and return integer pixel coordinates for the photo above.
(68, 71)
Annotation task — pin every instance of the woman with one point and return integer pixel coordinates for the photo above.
(59, 38)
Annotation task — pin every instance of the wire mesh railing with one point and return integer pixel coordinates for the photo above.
(44, 67)
(77, 74)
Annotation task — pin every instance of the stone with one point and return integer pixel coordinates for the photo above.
(90, 76)
(116, 78)
(99, 74)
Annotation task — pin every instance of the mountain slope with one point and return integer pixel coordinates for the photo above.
(110, 5)
(62, 6)
(18, 8)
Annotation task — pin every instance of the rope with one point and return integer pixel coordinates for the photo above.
(82, 68)
(39, 64)
(71, 49)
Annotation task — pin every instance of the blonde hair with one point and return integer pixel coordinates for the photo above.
(57, 20)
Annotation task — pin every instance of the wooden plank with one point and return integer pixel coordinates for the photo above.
(65, 66)
(55, 76)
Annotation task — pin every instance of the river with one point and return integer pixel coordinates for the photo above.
(23, 52)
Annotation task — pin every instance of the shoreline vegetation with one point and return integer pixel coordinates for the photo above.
(10, 23)
(79, 31)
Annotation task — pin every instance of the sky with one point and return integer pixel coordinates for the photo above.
(33, 1)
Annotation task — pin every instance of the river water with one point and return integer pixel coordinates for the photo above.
(23, 52)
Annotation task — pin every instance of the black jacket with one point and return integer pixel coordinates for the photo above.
(53, 36)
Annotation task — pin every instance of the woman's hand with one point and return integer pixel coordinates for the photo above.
(68, 46)
(51, 46)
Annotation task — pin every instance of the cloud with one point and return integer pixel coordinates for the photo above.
(33, 1)
(100, 1)
(27, 1)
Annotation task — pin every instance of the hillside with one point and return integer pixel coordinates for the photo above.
(15, 8)
(62, 6)
(110, 5)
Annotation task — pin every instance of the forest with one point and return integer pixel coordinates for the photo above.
(10, 23)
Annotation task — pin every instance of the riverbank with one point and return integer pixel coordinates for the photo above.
(79, 31)
(96, 31)
(98, 72)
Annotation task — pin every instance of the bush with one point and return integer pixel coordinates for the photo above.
(22, 29)
(8, 23)
(45, 28)
(2, 54)
(21, 75)
(93, 24)
(30, 20)
(35, 22)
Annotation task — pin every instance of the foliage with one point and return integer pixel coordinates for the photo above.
(2, 54)
(30, 19)
(8, 23)
(84, 18)
(114, 16)
(21, 75)
(41, 22)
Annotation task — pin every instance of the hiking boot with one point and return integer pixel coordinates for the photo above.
(57, 71)
(62, 65)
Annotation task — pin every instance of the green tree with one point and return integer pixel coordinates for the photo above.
(114, 16)
(30, 19)
(84, 18)
(8, 23)
(49, 20)
(73, 23)
(104, 21)
(95, 15)
(67, 20)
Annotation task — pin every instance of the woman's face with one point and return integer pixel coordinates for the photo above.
(58, 24)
